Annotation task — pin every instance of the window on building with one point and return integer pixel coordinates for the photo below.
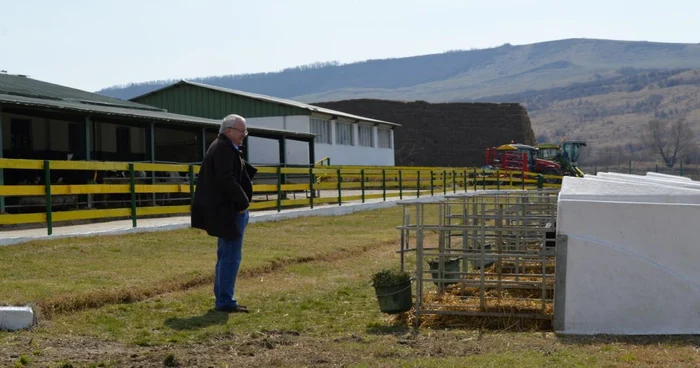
(343, 134)
(365, 136)
(21, 134)
(384, 138)
(123, 140)
(322, 129)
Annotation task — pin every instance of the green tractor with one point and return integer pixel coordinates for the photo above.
(565, 154)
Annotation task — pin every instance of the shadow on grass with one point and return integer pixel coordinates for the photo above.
(390, 329)
(211, 317)
(641, 340)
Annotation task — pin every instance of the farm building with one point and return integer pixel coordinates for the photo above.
(346, 139)
(40, 120)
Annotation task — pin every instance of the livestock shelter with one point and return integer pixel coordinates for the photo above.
(41, 120)
(345, 139)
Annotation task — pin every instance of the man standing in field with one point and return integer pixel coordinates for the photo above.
(223, 194)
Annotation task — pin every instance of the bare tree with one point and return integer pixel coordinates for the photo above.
(670, 140)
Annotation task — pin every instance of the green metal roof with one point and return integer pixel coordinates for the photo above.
(303, 106)
(19, 85)
(123, 112)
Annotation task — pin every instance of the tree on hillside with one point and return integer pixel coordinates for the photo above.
(671, 141)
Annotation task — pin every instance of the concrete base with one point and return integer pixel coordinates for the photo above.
(16, 318)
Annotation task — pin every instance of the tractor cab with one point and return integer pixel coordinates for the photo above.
(548, 151)
(572, 149)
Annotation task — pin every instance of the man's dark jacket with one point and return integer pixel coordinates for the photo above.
(224, 188)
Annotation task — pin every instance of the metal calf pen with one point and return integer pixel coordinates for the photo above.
(488, 254)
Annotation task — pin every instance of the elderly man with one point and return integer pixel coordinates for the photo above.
(224, 191)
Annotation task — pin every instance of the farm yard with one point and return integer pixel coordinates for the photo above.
(145, 300)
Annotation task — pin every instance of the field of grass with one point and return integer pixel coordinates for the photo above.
(146, 300)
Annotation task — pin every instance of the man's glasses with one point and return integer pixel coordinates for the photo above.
(245, 132)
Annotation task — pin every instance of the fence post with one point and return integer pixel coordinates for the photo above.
(498, 180)
(444, 182)
(681, 162)
(483, 179)
(475, 179)
(191, 185)
(362, 184)
(657, 168)
(595, 169)
(454, 181)
(418, 184)
(279, 188)
(312, 192)
(400, 186)
(47, 188)
(465, 183)
(432, 182)
(132, 188)
(630, 166)
(340, 196)
(384, 184)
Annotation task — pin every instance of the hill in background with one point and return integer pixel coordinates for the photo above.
(603, 91)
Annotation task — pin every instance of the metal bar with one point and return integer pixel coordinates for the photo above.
(132, 188)
(400, 186)
(47, 188)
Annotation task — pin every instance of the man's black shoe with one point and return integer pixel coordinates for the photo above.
(235, 309)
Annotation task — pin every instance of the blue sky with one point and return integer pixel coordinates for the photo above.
(99, 43)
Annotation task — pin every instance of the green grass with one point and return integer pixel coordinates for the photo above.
(307, 283)
(71, 274)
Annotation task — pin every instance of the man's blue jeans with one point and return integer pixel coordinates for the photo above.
(228, 260)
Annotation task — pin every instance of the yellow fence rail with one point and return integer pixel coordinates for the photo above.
(345, 183)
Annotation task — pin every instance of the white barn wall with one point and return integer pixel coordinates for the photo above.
(266, 151)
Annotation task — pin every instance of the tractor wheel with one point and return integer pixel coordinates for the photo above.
(550, 171)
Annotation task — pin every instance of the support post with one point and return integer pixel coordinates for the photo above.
(191, 184)
(312, 192)
(88, 149)
(279, 188)
(203, 138)
(283, 156)
(2, 171)
(132, 189)
(152, 155)
(362, 184)
(340, 196)
(47, 188)
(312, 153)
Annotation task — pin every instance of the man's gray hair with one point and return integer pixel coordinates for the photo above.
(230, 121)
